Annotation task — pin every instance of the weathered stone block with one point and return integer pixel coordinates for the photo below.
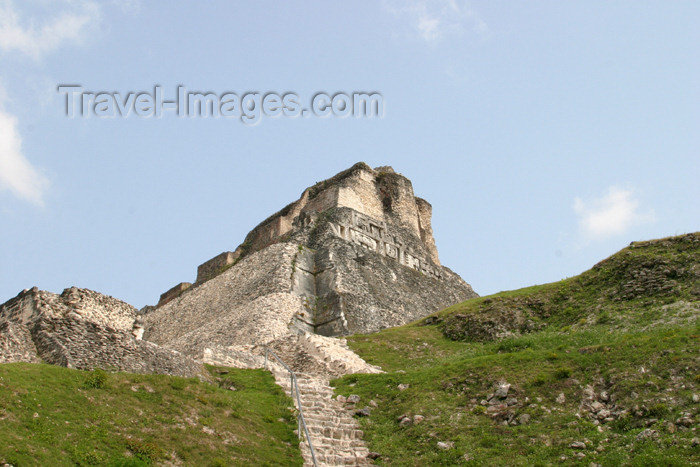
(215, 266)
(173, 292)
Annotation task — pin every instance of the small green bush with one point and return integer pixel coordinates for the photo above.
(562, 373)
(96, 379)
(84, 456)
(604, 318)
(658, 410)
(539, 380)
(148, 452)
(622, 424)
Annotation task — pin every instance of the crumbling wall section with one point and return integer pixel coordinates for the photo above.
(173, 292)
(82, 329)
(372, 275)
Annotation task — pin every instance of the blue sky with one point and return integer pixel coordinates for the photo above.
(547, 135)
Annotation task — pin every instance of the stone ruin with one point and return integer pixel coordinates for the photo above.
(85, 330)
(355, 254)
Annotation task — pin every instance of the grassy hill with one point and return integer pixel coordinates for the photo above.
(55, 416)
(602, 368)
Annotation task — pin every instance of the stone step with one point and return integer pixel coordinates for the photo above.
(310, 391)
(308, 406)
(335, 433)
(327, 417)
(324, 422)
(348, 452)
(321, 411)
(324, 404)
(341, 459)
(309, 394)
(315, 425)
(323, 442)
(325, 425)
(347, 444)
(337, 444)
(324, 450)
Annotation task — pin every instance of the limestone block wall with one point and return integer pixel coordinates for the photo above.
(425, 228)
(359, 192)
(281, 224)
(173, 292)
(384, 239)
(250, 303)
(370, 275)
(214, 266)
(16, 343)
(377, 292)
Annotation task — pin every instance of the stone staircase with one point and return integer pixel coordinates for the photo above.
(334, 433)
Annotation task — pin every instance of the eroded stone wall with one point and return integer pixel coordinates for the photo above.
(250, 303)
(82, 329)
(216, 265)
(375, 236)
(173, 292)
(370, 275)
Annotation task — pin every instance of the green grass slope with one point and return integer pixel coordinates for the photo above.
(603, 369)
(55, 416)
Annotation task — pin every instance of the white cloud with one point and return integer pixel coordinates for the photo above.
(16, 173)
(612, 214)
(25, 36)
(436, 20)
(64, 21)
